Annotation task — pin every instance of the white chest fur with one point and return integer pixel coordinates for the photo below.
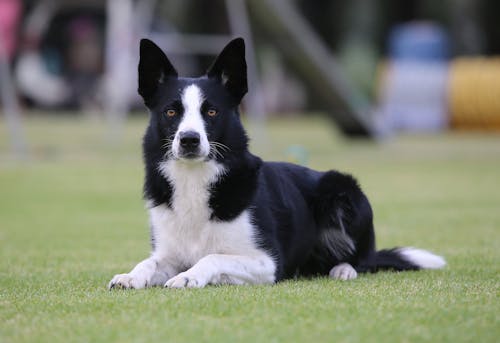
(184, 234)
(191, 182)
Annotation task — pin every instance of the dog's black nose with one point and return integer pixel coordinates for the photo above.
(189, 139)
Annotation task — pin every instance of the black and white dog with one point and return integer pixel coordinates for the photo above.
(220, 215)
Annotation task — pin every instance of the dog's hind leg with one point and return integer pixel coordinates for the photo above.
(345, 218)
(343, 271)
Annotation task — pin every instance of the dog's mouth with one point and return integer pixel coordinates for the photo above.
(192, 155)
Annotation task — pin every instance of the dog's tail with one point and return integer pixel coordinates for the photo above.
(400, 259)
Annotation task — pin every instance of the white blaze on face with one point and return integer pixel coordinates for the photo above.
(192, 120)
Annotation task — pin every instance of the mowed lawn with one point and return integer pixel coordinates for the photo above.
(71, 216)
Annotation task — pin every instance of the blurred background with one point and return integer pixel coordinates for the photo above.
(372, 67)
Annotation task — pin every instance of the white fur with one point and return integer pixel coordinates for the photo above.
(220, 269)
(192, 120)
(145, 274)
(422, 258)
(190, 249)
(191, 181)
(343, 271)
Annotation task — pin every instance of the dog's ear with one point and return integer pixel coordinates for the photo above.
(230, 68)
(154, 67)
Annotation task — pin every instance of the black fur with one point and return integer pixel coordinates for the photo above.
(292, 206)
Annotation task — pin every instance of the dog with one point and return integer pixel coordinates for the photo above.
(220, 215)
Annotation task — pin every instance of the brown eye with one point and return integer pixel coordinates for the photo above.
(212, 112)
(171, 113)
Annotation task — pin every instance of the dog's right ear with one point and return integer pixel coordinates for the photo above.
(230, 68)
(154, 68)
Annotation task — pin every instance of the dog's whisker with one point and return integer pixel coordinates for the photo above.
(214, 151)
(167, 143)
(221, 155)
(220, 145)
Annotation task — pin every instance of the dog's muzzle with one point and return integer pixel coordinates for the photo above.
(189, 143)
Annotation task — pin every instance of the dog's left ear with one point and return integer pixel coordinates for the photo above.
(230, 68)
(154, 67)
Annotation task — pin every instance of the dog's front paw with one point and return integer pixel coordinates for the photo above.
(126, 281)
(186, 280)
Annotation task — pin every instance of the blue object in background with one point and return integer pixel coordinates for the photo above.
(414, 87)
(297, 154)
(421, 41)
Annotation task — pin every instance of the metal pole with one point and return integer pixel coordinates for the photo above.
(302, 46)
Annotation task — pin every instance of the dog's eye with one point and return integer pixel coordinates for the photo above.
(171, 112)
(212, 112)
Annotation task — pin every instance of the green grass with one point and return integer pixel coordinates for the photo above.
(71, 216)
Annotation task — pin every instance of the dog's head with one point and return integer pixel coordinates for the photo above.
(194, 119)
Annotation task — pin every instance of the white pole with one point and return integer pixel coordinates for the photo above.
(119, 64)
(10, 105)
(240, 25)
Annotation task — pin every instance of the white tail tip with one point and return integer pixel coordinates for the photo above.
(422, 258)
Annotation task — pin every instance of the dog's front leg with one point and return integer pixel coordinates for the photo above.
(226, 269)
(148, 273)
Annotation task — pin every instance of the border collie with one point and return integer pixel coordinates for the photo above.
(219, 214)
